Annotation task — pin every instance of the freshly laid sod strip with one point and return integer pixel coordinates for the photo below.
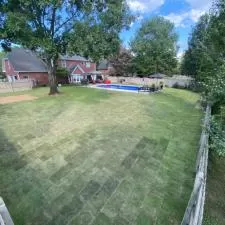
(95, 157)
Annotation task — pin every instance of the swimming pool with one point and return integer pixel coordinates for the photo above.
(119, 87)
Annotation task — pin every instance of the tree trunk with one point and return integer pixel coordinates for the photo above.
(52, 78)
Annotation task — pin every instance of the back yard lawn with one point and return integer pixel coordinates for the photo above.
(96, 157)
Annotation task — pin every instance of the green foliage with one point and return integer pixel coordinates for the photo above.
(155, 47)
(62, 72)
(214, 86)
(122, 63)
(217, 137)
(200, 58)
(206, 51)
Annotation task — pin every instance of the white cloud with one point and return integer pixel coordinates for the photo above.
(200, 4)
(177, 19)
(198, 8)
(182, 19)
(144, 6)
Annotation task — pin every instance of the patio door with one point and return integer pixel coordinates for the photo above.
(76, 78)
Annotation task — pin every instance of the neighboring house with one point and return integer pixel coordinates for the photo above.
(25, 64)
(79, 68)
(104, 67)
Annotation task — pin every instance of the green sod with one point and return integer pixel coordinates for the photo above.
(95, 157)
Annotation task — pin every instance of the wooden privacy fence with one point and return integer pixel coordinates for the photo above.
(20, 85)
(195, 209)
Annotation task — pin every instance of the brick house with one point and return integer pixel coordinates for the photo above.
(25, 64)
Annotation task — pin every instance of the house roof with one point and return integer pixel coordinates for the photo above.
(74, 57)
(24, 60)
(103, 65)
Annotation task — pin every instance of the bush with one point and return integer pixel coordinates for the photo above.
(62, 72)
(84, 82)
(153, 88)
(217, 137)
(178, 86)
(161, 85)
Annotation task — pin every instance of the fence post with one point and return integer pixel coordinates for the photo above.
(11, 86)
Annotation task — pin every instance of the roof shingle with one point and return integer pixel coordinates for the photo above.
(24, 60)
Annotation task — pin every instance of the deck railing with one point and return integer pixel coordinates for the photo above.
(195, 209)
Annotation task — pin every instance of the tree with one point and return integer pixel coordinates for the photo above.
(200, 58)
(155, 47)
(53, 27)
(122, 63)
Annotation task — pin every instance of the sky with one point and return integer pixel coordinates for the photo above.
(183, 13)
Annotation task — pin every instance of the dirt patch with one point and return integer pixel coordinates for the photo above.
(17, 98)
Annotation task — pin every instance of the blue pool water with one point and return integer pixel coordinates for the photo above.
(120, 87)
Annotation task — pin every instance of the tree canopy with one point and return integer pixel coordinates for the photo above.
(155, 47)
(206, 51)
(122, 63)
(200, 57)
(87, 27)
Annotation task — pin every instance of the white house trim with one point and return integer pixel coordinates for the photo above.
(77, 67)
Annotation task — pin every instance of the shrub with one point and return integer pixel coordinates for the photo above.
(84, 82)
(178, 86)
(217, 137)
(161, 84)
(153, 87)
(62, 72)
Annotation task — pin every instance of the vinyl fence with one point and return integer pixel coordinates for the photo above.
(181, 81)
(195, 209)
(20, 85)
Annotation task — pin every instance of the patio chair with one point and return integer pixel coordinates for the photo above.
(144, 88)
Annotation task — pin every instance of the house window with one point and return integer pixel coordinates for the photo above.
(25, 77)
(63, 63)
(88, 64)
